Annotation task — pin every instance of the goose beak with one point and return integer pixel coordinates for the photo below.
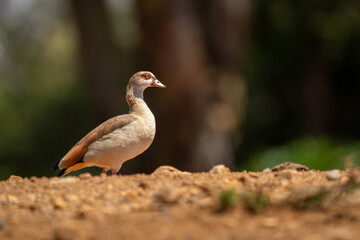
(158, 84)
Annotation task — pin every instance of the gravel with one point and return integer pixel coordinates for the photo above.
(172, 204)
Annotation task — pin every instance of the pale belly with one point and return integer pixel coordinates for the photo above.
(119, 146)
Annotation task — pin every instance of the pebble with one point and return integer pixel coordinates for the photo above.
(31, 197)
(72, 198)
(270, 222)
(85, 176)
(205, 202)
(2, 224)
(165, 170)
(14, 178)
(286, 174)
(33, 179)
(253, 174)
(144, 185)
(13, 199)
(290, 166)
(64, 180)
(219, 169)
(85, 210)
(59, 203)
(333, 175)
(169, 195)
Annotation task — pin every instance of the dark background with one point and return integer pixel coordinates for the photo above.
(249, 83)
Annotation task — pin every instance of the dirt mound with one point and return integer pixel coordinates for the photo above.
(288, 202)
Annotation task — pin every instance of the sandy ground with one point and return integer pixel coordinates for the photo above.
(289, 202)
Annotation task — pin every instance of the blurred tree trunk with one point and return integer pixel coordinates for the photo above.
(317, 97)
(197, 56)
(99, 57)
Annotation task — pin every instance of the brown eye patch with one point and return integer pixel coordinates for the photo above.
(146, 76)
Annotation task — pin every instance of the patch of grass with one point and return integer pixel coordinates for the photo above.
(252, 200)
(315, 197)
(311, 201)
(228, 199)
(255, 201)
(308, 197)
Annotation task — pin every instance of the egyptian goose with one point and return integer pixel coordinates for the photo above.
(120, 138)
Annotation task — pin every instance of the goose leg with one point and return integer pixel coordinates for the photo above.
(115, 171)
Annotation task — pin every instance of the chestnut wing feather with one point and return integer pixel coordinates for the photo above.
(77, 153)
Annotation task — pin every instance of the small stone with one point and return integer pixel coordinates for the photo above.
(333, 175)
(144, 185)
(219, 169)
(254, 174)
(124, 201)
(14, 178)
(266, 170)
(2, 224)
(28, 205)
(64, 180)
(270, 222)
(59, 203)
(33, 179)
(169, 195)
(286, 174)
(290, 166)
(195, 191)
(85, 210)
(141, 192)
(85, 176)
(165, 170)
(13, 199)
(71, 198)
(206, 202)
(31, 197)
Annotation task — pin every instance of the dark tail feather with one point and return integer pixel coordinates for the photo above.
(62, 172)
(56, 165)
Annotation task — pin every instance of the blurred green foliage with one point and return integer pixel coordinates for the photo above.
(303, 77)
(316, 153)
(41, 101)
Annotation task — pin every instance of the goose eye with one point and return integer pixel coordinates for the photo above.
(146, 76)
